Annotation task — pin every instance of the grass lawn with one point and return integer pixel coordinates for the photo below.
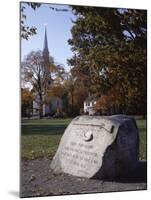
(142, 138)
(41, 137)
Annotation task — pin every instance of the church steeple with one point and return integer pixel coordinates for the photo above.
(46, 59)
(45, 49)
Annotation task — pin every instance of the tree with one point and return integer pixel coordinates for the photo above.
(70, 86)
(26, 102)
(38, 76)
(80, 95)
(27, 31)
(76, 93)
(43, 78)
(110, 53)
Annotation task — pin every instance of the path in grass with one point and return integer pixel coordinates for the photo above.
(40, 138)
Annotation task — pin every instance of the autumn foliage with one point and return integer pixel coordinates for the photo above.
(110, 56)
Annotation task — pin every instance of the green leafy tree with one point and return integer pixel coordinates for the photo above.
(109, 48)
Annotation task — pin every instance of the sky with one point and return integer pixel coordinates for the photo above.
(59, 25)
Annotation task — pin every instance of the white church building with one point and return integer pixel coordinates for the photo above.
(54, 103)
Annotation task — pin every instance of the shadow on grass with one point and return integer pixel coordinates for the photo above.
(137, 176)
(51, 129)
(142, 130)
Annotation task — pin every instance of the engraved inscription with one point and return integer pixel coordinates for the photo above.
(86, 147)
(79, 155)
(86, 132)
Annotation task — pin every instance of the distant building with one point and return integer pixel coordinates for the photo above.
(89, 106)
(54, 104)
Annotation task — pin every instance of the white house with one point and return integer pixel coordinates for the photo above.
(89, 106)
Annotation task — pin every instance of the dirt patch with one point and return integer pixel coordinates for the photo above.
(37, 179)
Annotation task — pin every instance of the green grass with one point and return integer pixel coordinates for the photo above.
(40, 138)
(142, 139)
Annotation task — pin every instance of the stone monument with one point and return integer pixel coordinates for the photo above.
(101, 147)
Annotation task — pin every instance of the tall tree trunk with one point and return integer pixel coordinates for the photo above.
(40, 106)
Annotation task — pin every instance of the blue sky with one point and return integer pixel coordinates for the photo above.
(58, 32)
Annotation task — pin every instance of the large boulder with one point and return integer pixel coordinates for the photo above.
(98, 147)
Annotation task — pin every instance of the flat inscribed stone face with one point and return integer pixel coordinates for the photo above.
(83, 145)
